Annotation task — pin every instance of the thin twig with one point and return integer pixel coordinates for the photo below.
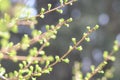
(22, 58)
(100, 66)
(74, 47)
(51, 10)
(34, 40)
(68, 52)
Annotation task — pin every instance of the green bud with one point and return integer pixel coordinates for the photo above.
(96, 27)
(20, 65)
(66, 60)
(70, 48)
(88, 28)
(65, 1)
(67, 25)
(31, 68)
(47, 27)
(47, 63)
(102, 72)
(85, 34)
(87, 39)
(115, 48)
(46, 71)
(88, 75)
(60, 11)
(92, 68)
(47, 43)
(49, 6)
(74, 40)
(105, 54)
(42, 16)
(57, 58)
(79, 48)
(70, 20)
(42, 10)
(42, 52)
(1, 56)
(61, 20)
(112, 58)
(116, 42)
(61, 1)
(24, 63)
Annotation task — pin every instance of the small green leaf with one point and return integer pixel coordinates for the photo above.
(85, 34)
(88, 28)
(49, 6)
(74, 40)
(116, 42)
(12, 53)
(67, 25)
(38, 74)
(42, 10)
(10, 44)
(31, 68)
(66, 60)
(37, 68)
(20, 65)
(47, 27)
(87, 39)
(105, 54)
(70, 20)
(36, 33)
(33, 51)
(65, 1)
(50, 68)
(42, 16)
(53, 36)
(33, 78)
(24, 63)
(88, 75)
(60, 11)
(79, 48)
(115, 48)
(50, 58)
(47, 43)
(57, 58)
(46, 71)
(14, 29)
(112, 58)
(61, 20)
(61, 2)
(92, 68)
(96, 27)
(1, 56)
(47, 63)
(70, 48)
(102, 72)
(42, 52)
(7, 17)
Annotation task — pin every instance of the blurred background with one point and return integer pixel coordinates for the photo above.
(106, 13)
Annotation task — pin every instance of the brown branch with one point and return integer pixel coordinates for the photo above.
(32, 41)
(35, 39)
(51, 10)
(68, 52)
(74, 47)
(22, 58)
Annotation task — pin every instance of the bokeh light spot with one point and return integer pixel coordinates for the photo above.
(103, 19)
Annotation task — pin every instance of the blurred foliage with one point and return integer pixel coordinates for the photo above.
(84, 13)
